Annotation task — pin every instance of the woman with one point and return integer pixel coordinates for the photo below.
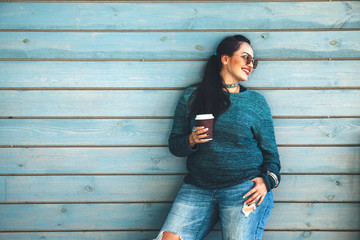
(238, 168)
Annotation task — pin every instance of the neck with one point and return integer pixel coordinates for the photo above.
(228, 79)
(234, 89)
(231, 85)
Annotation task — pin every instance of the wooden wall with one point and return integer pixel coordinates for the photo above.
(88, 91)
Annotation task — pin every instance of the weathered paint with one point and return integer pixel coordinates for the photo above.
(146, 235)
(181, 16)
(180, 45)
(137, 188)
(178, 74)
(84, 185)
(110, 216)
(313, 131)
(158, 160)
(161, 103)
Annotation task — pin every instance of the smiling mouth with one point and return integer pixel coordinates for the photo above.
(247, 71)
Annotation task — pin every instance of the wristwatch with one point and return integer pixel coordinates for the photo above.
(273, 176)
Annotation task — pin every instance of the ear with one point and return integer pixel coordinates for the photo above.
(225, 59)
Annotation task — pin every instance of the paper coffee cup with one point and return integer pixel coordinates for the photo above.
(206, 120)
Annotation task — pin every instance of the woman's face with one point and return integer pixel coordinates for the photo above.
(235, 68)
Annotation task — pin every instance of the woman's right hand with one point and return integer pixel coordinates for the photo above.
(197, 135)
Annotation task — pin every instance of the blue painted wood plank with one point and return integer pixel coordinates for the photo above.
(90, 160)
(155, 131)
(326, 216)
(328, 188)
(62, 74)
(2, 189)
(88, 235)
(163, 102)
(136, 160)
(320, 159)
(160, 188)
(316, 131)
(311, 235)
(79, 103)
(173, 45)
(146, 235)
(180, 16)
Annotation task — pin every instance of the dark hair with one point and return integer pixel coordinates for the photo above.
(209, 96)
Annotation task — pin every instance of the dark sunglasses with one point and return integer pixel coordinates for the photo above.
(249, 59)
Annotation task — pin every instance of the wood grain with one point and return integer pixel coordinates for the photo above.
(163, 102)
(180, 16)
(304, 216)
(145, 235)
(115, 62)
(174, 45)
(168, 74)
(160, 188)
(149, 160)
(155, 131)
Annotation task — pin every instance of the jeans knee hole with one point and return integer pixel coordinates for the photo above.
(248, 209)
(160, 237)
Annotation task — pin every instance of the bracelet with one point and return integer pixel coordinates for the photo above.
(273, 176)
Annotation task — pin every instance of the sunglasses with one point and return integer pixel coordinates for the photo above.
(249, 59)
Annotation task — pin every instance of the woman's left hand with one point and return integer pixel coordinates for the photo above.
(257, 192)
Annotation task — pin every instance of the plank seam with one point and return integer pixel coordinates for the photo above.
(161, 88)
(157, 117)
(145, 230)
(163, 59)
(125, 146)
(162, 174)
(148, 230)
(186, 30)
(160, 202)
(169, 1)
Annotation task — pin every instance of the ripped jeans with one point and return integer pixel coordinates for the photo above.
(196, 210)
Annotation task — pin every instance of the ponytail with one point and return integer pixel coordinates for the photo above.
(209, 96)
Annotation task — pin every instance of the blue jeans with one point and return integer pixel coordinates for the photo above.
(196, 210)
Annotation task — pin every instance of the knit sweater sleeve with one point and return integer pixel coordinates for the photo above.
(181, 129)
(266, 139)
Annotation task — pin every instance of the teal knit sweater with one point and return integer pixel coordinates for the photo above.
(243, 145)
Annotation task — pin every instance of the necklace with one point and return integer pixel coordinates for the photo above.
(231, 85)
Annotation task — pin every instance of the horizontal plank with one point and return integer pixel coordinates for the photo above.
(310, 235)
(2, 189)
(156, 131)
(62, 74)
(163, 102)
(320, 159)
(90, 160)
(162, 188)
(141, 235)
(160, 160)
(326, 216)
(173, 45)
(180, 16)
